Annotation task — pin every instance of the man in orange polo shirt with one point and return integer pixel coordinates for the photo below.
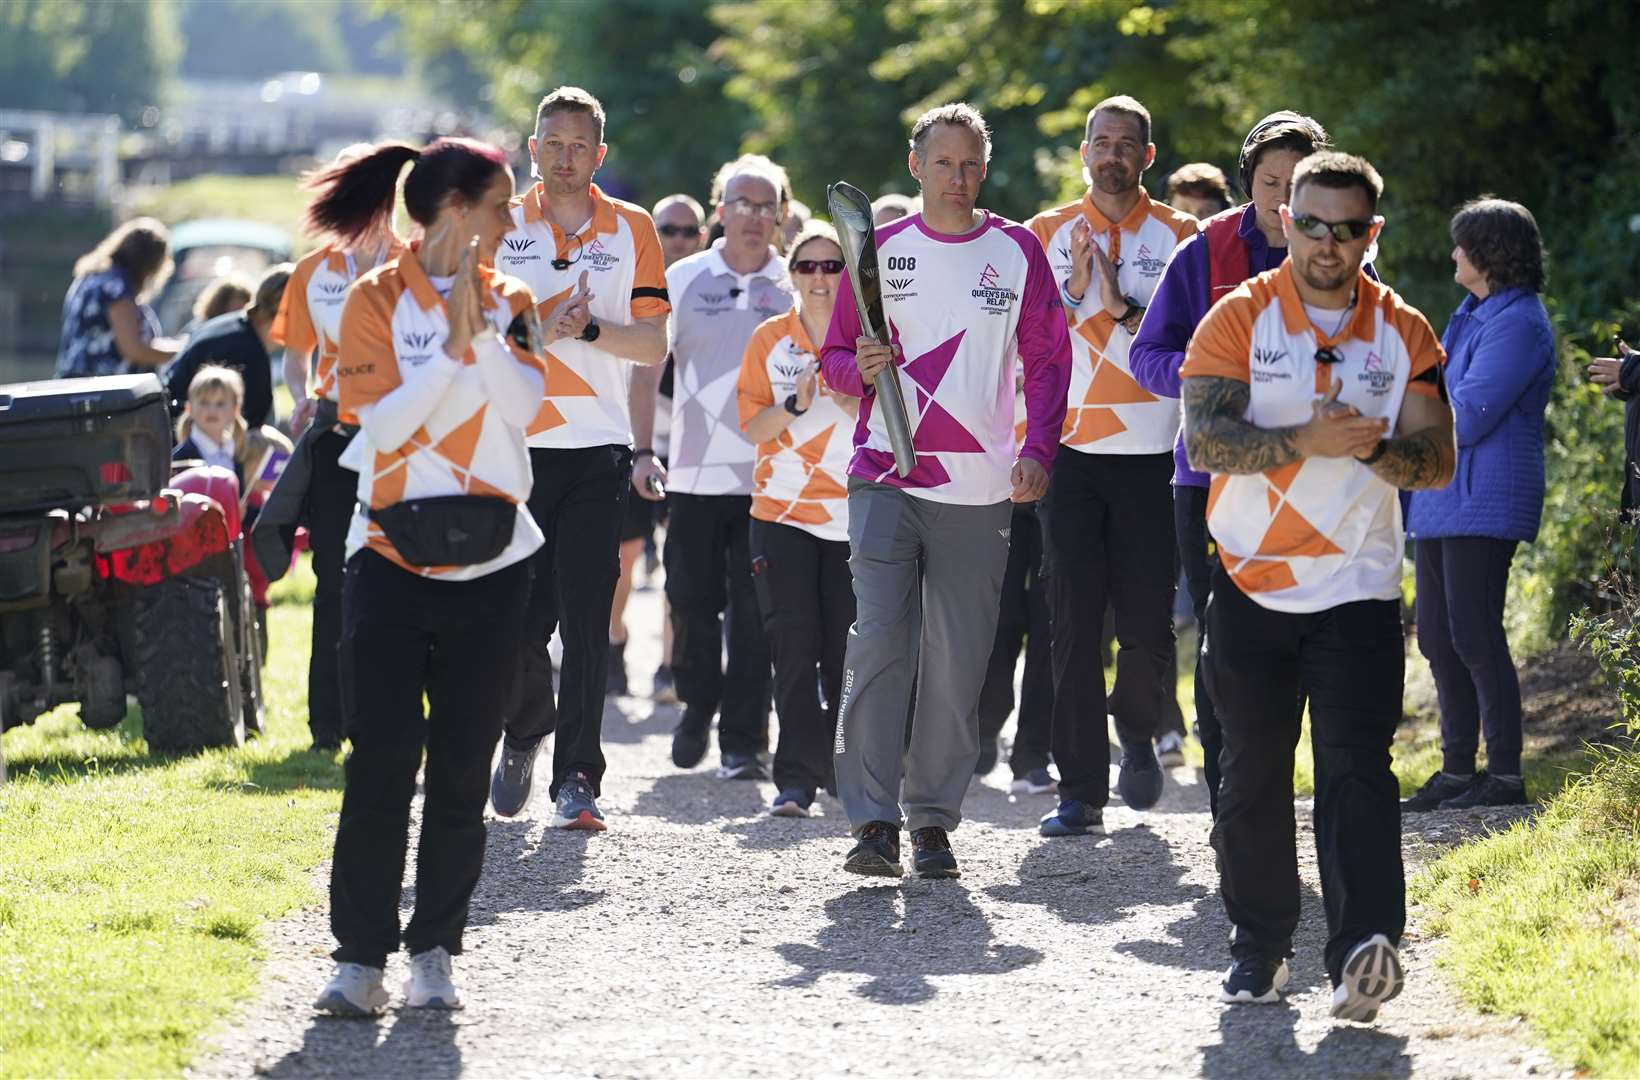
(1313, 394)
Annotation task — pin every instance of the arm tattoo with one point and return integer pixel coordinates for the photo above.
(1422, 459)
(1218, 439)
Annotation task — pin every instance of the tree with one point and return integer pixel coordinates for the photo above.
(73, 56)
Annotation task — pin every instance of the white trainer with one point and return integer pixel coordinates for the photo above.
(354, 990)
(1372, 976)
(430, 985)
(1170, 749)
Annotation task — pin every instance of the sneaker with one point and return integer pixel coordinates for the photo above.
(742, 767)
(792, 802)
(615, 680)
(1170, 750)
(988, 753)
(931, 855)
(511, 782)
(354, 990)
(1254, 980)
(1440, 787)
(1035, 782)
(1489, 790)
(1372, 976)
(576, 807)
(1074, 818)
(1140, 781)
(877, 852)
(665, 692)
(689, 738)
(429, 985)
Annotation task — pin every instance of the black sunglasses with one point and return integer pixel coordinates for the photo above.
(677, 230)
(1342, 231)
(1328, 355)
(817, 266)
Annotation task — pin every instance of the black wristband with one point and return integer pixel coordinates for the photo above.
(593, 329)
(791, 405)
(1132, 310)
(639, 455)
(1377, 452)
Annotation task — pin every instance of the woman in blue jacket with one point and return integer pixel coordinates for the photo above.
(1500, 366)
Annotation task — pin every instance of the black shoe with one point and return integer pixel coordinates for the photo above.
(878, 851)
(1440, 787)
(514, 776)
(1254, 980)
(988, 752)
(742, 767)
(689, 738)
(615, 681)
(931, 855)
(1488, 790)
(1140, 781)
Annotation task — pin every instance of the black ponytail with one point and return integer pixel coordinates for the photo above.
(353, 196)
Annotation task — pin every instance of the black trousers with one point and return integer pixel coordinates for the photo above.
(332, 492)
(1108, 534)
(806, 594)
(579, 501)
(456, 641)
(1461, 586)
(1023, 620)
(1198, 556)
(709, 587)
(1350, 660)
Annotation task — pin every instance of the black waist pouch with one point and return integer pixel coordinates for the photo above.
(450, 530)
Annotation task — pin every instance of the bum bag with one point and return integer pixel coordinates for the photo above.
(448, 530)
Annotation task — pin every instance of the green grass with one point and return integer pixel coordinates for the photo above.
(1543, 921)
(131, 886)
(276, 200)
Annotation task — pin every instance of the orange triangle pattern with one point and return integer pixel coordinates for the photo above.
(814, 449)
(1091, 425)
(563, 382)
(1263, 575)
(546, 419)
(1292, 534)
(1096, 332)
(1113, 386)
(1282, 477)
(821, 485)
(459, 446)
(1275, 498)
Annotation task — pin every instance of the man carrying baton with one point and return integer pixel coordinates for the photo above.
(964, 293)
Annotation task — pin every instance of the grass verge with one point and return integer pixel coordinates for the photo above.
(131, 886)
(1543, 920)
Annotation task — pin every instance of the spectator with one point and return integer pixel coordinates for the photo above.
(238, 340)
(797, 216)
(892, 207)
(1199, 189)
(1500, 369)
(224, 295)
(108, 327)
(1619, 377)
(212, 428)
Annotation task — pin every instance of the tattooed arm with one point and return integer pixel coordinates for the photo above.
(1424, 451)
(1219, 439)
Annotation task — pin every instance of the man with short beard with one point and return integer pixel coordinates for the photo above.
(1108, 519)
(594, 263)
(1313, 395)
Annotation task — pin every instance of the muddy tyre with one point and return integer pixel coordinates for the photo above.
(188, 666)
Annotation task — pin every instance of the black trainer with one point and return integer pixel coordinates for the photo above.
(1140, 780)
(1440, 787)
(931, 855)
(690, 737)
(1489, 790)
(878, 851)
(1254, 980)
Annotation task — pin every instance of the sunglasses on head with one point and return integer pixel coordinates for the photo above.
(817, 266)
(1342, 231)
(677, 230)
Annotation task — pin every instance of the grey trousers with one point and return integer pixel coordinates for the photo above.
(937, 566)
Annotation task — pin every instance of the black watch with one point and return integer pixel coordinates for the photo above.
(791, 405)
(1377, 452)
(592, 331)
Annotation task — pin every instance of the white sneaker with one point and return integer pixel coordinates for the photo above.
(354, 990)
(429, 985)
(1170, 750)
(1372, 976)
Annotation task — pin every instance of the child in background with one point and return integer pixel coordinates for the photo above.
(211, 429)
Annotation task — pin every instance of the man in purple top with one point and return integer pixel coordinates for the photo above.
(1238, 244)
(964, 292)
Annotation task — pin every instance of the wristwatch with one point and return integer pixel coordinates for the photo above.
(593, 329)
(1377, 452)
(791, 405)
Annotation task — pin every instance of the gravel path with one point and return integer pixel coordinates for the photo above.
(701, 938)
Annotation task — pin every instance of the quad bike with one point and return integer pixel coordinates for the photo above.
(115, 576)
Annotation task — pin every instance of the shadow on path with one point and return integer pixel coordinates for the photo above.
(525, 873)
(698, 798)
(1088, 882)
(1260, 1040)
(341, 1047)
(939, 932)
(633, 719)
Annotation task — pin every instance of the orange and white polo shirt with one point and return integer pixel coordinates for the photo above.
(1323, 531)
(393, 326)
(1108, 412)
(801, 476)
(620, 252)
(309, 319)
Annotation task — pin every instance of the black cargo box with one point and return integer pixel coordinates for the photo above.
(78, 442)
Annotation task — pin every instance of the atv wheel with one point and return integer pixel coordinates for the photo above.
(188, 667)
(101, 689)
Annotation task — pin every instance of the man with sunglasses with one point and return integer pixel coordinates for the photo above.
(1107, 523)
(720, 296)
(1313, 395)
(571, 242)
